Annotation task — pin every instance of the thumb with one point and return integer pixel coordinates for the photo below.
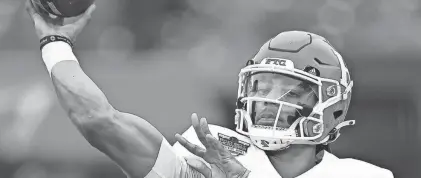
(199, 166)
(86, 17)
(34, 15)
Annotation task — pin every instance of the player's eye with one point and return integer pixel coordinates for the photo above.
(293, 94)
(263, 91)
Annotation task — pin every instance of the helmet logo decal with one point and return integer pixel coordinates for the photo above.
(279, 62)
(275, 61)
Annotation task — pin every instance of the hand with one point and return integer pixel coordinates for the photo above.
(223, 163)
(45, 25)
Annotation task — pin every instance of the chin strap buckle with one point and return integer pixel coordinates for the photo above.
(335, 133)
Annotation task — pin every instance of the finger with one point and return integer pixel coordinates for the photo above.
(204, 126)
(199, 166)
(212, 143)
(86, 17)
(43, 14)
(216, 145)
(196, 150)
(34, 15)
(30, 9)
(196, 125)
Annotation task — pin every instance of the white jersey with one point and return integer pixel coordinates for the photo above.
(171, 164)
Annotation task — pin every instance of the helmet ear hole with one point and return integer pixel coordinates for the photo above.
(337, 114)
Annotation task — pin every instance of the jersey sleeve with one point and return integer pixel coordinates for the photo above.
(368, 170)
(170, 165)
(386, 174)
(333, 167)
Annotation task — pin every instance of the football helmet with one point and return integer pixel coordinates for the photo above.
(305, 79)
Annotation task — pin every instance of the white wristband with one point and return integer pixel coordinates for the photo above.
(55, 52)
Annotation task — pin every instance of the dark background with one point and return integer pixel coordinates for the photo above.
(164, 59)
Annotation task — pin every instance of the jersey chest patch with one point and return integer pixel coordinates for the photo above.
(233, 144)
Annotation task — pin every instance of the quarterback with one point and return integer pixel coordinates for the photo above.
(293, 96)
(292, 100)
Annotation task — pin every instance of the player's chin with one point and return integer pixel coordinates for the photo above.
(277, 152)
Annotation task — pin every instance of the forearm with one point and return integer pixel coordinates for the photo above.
(130, 141)
(78, 94)
(127, 139)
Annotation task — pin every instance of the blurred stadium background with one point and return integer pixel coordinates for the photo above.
(164, 59)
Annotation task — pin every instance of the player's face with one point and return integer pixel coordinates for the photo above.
(283, 88)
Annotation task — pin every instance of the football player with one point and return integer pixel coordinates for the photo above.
(293, 98)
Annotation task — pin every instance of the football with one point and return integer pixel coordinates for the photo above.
(63, 8)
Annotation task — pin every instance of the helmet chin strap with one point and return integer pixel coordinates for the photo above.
(335, 133)
(331, 137)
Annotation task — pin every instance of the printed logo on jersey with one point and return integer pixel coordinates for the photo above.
(233, 144)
